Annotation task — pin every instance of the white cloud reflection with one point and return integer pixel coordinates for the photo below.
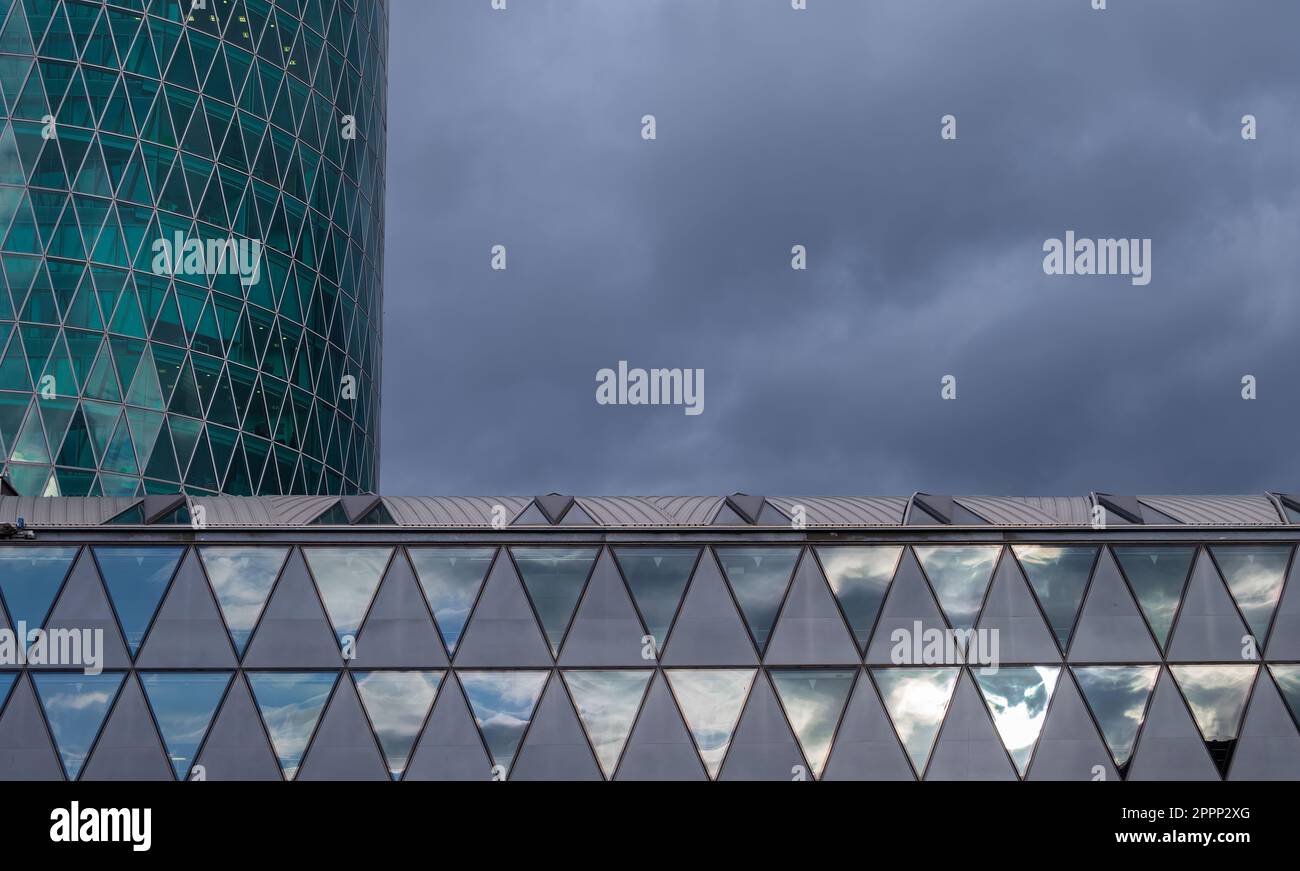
(711, 701)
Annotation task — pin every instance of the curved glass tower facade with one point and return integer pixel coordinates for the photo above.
(191, 245)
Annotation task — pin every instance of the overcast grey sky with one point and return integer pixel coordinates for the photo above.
(822, 128)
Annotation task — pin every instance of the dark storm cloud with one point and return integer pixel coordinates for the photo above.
(821, 128)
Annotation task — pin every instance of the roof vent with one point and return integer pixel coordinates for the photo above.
(554, 506)
(748, 507)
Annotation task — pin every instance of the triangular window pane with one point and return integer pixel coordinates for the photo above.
(242, 578)
(813, 700)
(554, 578)
(917, 700)
(1158, 576)
(531, 516)
(451, 578)
(1118, 696)
(860, 578)
(291, 704)
(30, 578)
(1255, 574)
(397, 703)
(1217, 695)
(184, 703)
(1059, 576)
(1017, 699)
(503, 703)
(711, 701)
(136, 578)
(759, 576)
(608, 702)
(1287, 678)
(75, 706)
(377, 516)
(657, 577)
(959, 577)
(347, 579)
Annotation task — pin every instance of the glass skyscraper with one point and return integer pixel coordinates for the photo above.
(191, 245)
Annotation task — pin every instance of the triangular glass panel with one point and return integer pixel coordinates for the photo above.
(451, 579)
(608, 702)
(1217, 695)
(1059, 577)
(860, 578)
(136, 578)
(759, 577)
(183, 705)
(814, 700)
(242, 577)
(917, 700)
(75, 707)
(503, 703)
(1017, 699)
(711, 701)
(291, 705)
(554, 578)
(1255, 574)
(1158, 576)
(30, 578)
(1287, 678)
(657, 577)
(347, 579)
(1118, 696)
(959, 577)
(397, 703)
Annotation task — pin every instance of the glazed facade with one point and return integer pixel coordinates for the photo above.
(133, 128)
(366, 649)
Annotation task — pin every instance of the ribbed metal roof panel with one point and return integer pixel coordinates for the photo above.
(845, 510)
(688, 510)
(52, 511)
(451, 511)
(624, 511)
(1216, 510)
(1030, 510)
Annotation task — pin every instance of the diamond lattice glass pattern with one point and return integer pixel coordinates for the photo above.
(132, 123)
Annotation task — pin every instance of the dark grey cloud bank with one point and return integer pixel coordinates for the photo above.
(821, 127)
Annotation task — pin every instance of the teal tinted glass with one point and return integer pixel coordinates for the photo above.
(814, 699)
(183, 705)
(1017, 699)
(451, 578)
(136, 578)
(397, 703)
(7, 680)
(291, 705)
(75, 706)
(554, 578)
(1058, 576)
(136, 162)
(347, 578)
(759, 577)
(607, 703)
(1255, 575)
(1118, 696)
(657, 577)
(503, 703)
(1158, 575)
(30, 578)
(242, 577)
(960, 577)
(860, 578)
